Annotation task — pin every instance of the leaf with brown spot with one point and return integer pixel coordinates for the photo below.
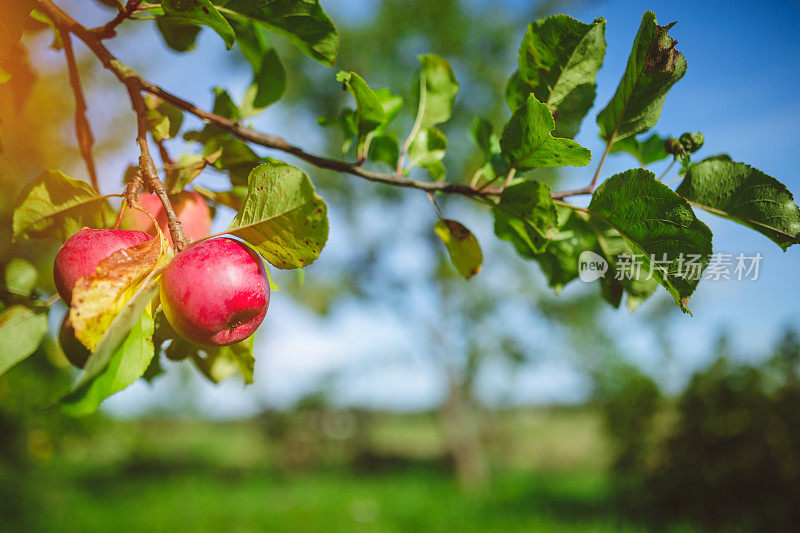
(654, 66)
(280, 213)
(99, 297)
(463, 247)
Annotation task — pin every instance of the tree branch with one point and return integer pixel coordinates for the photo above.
(130, 78)
(126, 75)
(83, 131)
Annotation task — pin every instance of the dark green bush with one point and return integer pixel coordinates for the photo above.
(731, 457)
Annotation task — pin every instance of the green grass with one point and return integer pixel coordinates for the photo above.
(159, 475)
(200, 499)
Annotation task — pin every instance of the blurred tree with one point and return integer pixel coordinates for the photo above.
(732, 455)
(465, 324)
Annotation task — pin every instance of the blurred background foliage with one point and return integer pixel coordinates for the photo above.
(724, 453)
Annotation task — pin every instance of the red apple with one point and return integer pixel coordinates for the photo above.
(191, 208)
(215, 292)
(73, 349)
(80, 254)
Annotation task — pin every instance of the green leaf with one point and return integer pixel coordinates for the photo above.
(20, 276)
(656, 223)
(653, 68)
(233, 198)
(200, 12)
(127, 364)
(482, 132)
(558, 62)
(369, 110)
(646, 152)
(427, 148)
(437, 170)
(611, 245)
(56, 206)
(21, 332)
(223, 106)
(220, 363)
(579, 233)
(745, 195)
(119, 334)
(526, 217)
(527, 143)
(384, 147)
(253, 39)
(462, 246)
(180, 36)
(236, 157)
(391, 103)
(269, 75)
(559, 261)
(303, 22)
(434, 91)
(186, 169)
(163, 119)
(282, 217)
(269, 79)
(347, 122)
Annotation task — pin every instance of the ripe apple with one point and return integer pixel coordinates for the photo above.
(73, 349)
(215, 292)
(80, 254)
(191, 208)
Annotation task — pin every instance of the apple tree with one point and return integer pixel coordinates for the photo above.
(148, 279)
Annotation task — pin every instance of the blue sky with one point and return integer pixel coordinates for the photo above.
(740, 91)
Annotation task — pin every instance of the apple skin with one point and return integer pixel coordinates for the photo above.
(80, 254)
(215, 292)
(75, 352)
(191, 208)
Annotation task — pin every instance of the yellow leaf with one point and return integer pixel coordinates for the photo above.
(463, 247)
(99, 297)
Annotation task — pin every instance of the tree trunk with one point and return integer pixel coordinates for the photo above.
(463, 439)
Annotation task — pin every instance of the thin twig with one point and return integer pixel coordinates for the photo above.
(109, 29)
(600, 166)
(560, 195)
(166, 159)
(661, 177)
(509, 178)
(435, 205)
(589, 189)
(83, 131)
